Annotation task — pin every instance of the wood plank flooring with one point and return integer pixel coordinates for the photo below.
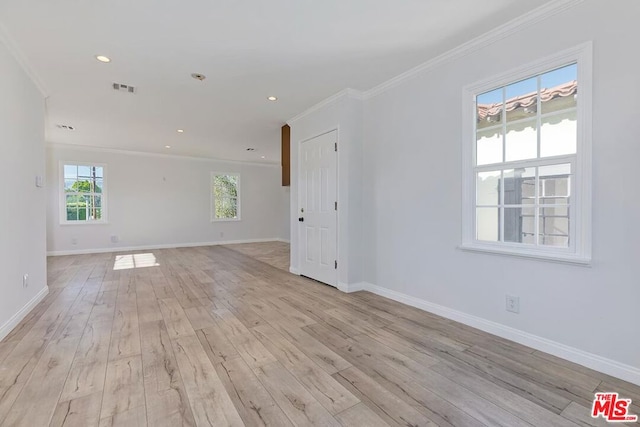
(214, 336)
(275, 254)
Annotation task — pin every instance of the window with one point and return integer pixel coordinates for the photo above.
(225, 197)
(83, 195)
(527, 169)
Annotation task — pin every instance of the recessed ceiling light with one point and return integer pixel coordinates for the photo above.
(167, 146)
(198, 76)
(272, 98)
(180, 130)
(263, 157)
(103, 58)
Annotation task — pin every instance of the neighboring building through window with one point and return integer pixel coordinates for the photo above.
(225, 197)
(529, 174)
(83, 193)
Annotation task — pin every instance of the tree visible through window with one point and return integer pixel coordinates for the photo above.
(225, 200)
(83, 197)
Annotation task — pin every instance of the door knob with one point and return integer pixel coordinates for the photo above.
(301, 219)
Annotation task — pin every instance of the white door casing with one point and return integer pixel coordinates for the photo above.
(317, 210)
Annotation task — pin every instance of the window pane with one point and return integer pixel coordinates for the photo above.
(521, 99)
(488, 188)
(559, 134)
(489, 107)
(555, 184)
(68, 185)
(99, 172)
(83, 186)
(99, 183)
(554, 231)
(70, 171)
(233, 208)
(226, 208)
(519, 186)
(84, 171)
(489, 147)
(72, 207)
(553, 211)
(487, 224)
(225, 185)
(93, 204)
(98, 214)
(519, 223)
(222, 207)
(559, 89)
(83, 208)
(522, 141)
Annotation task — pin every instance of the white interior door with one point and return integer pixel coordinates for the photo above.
(317, 213)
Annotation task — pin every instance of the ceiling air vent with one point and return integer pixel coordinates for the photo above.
(124, 88)
(65, 127)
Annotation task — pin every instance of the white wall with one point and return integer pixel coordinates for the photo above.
(155, 200)
(344, 113)
(285, 224)
(410, 180)
(22, 210)
(413, 193)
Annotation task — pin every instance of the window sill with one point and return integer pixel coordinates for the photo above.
(226, 220)
(524, 253)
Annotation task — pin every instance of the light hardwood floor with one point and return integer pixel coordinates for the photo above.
(275, 254)
(210, 336)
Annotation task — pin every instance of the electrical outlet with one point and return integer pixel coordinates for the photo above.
(513, 304)
(222, 234)
(115, 239)
(74, 241)
(25, 280)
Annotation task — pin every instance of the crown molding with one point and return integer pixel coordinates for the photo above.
(345, 93)
(61, 146)
(541, 13)
(530, 18)
(21, 59)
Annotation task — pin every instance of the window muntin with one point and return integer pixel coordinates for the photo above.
(83, 193)
(528, 205)
(526, 142)
(559, 202)
(225, 196)
(530, 119)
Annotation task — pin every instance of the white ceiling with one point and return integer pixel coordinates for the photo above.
(301, 51)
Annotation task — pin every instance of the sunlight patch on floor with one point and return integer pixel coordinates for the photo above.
(126, 262)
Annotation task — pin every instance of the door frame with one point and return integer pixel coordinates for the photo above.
(335, 128)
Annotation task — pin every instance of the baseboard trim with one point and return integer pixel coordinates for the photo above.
(22, 313)
(593, 361)
(353, 287)
(152, 247)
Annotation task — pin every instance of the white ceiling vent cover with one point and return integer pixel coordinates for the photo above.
(124, 88)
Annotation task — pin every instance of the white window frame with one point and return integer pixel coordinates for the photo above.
(213, 197)
(579, 251)
(62, 196)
